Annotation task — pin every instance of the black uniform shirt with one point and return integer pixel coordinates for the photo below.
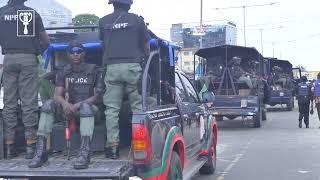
(8, 31)
(124, 35)
(80, 84)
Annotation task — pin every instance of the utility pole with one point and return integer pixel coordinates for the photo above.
(261, 36)
(244, 15)
(201, 23)
(244, 25)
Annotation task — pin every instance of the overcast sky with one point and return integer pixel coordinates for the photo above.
(292, 26)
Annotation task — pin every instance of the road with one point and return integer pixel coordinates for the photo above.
(279, 150)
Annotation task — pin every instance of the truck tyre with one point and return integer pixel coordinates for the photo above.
(257, 120)
(175, 169)
(264, 115)
(290, 104)
(219, 118)
(210, 166)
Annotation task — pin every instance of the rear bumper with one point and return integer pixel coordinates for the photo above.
(279, 100)
(234, 111)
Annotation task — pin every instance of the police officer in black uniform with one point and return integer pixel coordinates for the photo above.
(305, 95)
(126, 43)
(20, 76)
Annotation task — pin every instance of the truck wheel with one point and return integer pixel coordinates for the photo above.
(210, 166)
(264, 115)
(290, 104)
(257, 120)
(219, 118)
(175, 169)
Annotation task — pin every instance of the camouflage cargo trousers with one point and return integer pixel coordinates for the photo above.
(20, 81)
(120, 79)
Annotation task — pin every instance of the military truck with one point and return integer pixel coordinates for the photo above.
(236, 76)
(281, 83)
(174, 137)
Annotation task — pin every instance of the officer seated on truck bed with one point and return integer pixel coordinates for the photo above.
(78, 89)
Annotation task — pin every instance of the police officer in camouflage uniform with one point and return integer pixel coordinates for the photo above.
(20, 76)
(305, 96)
(279, 76)
(82, 84)
(126, 41)
(239, 74)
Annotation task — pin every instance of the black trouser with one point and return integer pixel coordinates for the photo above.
(304, 109)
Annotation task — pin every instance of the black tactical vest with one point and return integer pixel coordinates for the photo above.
(80, 84)
(8, 32)
(122, 39)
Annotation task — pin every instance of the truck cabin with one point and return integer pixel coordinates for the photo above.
(280, 73)
(228, 70)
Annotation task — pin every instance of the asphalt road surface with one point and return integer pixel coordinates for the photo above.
(279, 150)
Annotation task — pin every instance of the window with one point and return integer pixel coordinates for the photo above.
(186, 53)
(190, 90)
(179, 89)
(187, 63)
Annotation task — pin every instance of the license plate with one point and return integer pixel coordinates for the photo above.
(281, 94)
(244, 103)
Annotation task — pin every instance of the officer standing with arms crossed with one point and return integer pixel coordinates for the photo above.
(305, 95)
(126, 43)
(20, 76)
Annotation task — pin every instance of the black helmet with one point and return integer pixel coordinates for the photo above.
(129, 2)
(304, 79)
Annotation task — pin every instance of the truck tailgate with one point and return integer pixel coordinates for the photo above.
(58, 167)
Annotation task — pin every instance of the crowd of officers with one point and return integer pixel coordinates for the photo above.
(78, 86)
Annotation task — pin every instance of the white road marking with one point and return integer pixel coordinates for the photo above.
(303, 172)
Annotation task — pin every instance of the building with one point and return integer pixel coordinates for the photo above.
(53, 13)
(185, 60)
(212, 35)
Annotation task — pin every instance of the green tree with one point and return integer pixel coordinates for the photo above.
(85, 20)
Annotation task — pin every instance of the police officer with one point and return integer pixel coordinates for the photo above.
(317, 94)
(126, 41)
(20, 76)
(239, 74)
(304, 97)
(81, 82)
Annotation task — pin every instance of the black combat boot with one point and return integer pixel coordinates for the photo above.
(112, 152)
(41, 155)
(10, 151)
(83, 159)
(30, 151)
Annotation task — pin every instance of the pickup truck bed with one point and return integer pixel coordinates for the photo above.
(59, 167)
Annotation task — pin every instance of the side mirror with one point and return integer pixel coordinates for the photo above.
(208, 97)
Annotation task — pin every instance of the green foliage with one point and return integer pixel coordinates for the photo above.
(85, 20)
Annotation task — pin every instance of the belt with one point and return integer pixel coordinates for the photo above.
(11, 51)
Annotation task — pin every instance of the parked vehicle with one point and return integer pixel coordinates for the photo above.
(173, 138)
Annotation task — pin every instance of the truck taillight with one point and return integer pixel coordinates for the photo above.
(141, 145)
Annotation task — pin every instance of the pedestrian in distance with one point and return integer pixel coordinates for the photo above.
(21, 45)
(78, 89)
(305, 96)
(126, 44)
(317, 95)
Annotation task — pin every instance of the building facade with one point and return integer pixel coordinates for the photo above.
(212, 35)
(186, 60)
